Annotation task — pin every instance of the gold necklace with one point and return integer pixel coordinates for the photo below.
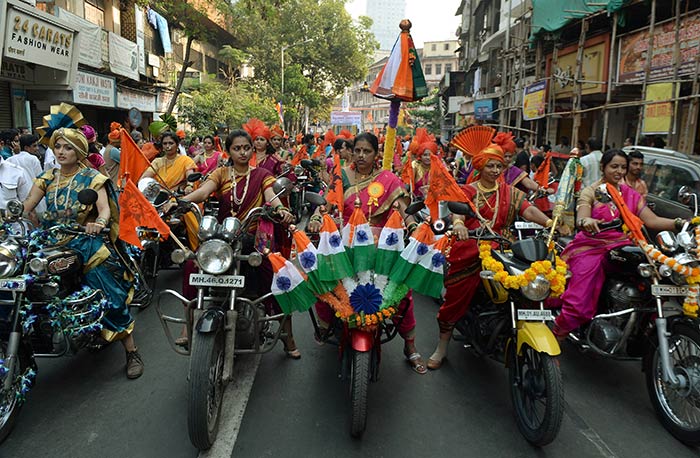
(484, 188)
(234, 190)
(480, 197)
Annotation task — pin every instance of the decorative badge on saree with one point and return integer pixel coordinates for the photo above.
(375, 190)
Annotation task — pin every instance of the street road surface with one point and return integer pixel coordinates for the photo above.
(84, 407)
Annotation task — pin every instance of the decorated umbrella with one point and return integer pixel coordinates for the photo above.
(565, 193)
(401, 79)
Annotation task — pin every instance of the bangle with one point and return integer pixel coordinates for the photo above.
(412, 227)
(458, 222)
(580, 222)
(101, 221)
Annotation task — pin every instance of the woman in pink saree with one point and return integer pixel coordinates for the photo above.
(208, 160)
(356, 180)
(586, 255)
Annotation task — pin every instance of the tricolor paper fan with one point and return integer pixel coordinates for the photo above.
(61, 116)
(473, 139)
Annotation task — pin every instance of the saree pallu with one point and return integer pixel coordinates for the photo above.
(586, 257)
(172, 175)
(209, 164)
(272, 164)
(463, 278)
(102, 268)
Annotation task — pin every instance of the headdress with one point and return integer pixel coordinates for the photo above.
(167, 123)
(421, 142)
(345, 134)
(114, 131)
(276, 131)
(180, 134)
(74, 137)
(63, 115)
(476, 141)
(505, 141)
(89, 132)
(256, 128)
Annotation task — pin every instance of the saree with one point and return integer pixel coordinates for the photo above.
(462, 280)
(102, 267)
(209, 164)
(420, 177)
(272, 164)
(377, 213)
(586, 257)
(171, 175)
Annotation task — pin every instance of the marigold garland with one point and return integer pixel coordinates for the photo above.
(339, 301)
(555, 274)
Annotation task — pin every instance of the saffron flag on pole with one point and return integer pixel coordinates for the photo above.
(541, 176)
(132, 162)
(333, 261)
(407, 172)
(135, 211)
(280, 113)
(288, 286)
(307, 256)
(442, 187)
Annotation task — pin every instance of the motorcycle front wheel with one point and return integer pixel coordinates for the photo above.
(537, 395)
(206, 388)
(9, 404)
(359, 382)
(678, 407)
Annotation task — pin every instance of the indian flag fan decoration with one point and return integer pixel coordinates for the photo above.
(289, 287)
(334, 263)
(307, 256)
(401, 79)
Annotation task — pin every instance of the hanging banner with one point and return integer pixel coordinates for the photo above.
(143, 101)
(657, 116)
(35, 40)
(140, 38)
(90, 46)
(634, 50)
(346, 118)
(534, 101)
(123, 56)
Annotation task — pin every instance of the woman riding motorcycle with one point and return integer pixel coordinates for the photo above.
(104, 268)
(497, 205)
(241, 188)
(586, 254)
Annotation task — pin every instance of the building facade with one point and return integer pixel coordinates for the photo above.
(386, 15)
(438, 59)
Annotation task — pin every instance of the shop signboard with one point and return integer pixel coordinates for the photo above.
(634, 50)
(484, 108)
(16, 71)
(93, 89)
(346, 118)
(657, 116)
(123, 57)
(534, 101)
(90, 47)
(128, 99)
(30, 38)
(594, 70)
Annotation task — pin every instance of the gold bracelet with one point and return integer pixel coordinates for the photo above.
(549, 223)
(458, 221)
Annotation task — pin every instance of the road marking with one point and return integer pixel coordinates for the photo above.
(588, 432)
(233, 406)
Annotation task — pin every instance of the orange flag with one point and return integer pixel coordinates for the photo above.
(407, 171)
(632, 221)
(300, 155)
(335, 195)
(132, 161)
(542, 174)
(135, 211)
(442, 187)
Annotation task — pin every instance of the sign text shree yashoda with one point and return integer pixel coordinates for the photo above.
(32, 39)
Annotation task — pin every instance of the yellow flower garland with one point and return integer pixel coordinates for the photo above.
(555, 274)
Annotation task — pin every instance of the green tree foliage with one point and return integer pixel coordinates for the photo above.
(214, 105)
(426, 112)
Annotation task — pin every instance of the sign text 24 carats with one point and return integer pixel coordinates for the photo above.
(31, 33)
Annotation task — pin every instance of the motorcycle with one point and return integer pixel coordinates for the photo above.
(307, 180)
(641, 317)
(508, 325)
(225, 322)
(45, 310)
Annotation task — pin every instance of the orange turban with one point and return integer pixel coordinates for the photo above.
(505, 141)
(276, 131)
(114, 131)
(180, 134)
(492, 151)
(422, 141)
(256, 128)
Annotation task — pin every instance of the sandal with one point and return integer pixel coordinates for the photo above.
(182, 341)
(292, 353)
(434, 365)
(417, 363)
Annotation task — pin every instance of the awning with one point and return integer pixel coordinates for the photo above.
(552, 15)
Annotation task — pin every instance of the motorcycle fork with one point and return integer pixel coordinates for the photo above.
(13, 347)
(513, 347)
(669, 376)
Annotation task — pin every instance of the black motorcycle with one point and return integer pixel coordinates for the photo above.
(45, 309)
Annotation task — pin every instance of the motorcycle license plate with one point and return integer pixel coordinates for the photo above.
(535, 315)
(13, 284)
(226, 281)
(669, 290)
(523, 225)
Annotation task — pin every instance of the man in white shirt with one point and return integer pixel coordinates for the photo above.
(26, 158)
(591, 162)
(15, 183)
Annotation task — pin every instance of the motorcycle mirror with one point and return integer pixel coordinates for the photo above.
(15, 208)
(87, 196)
(150, 189)
(460, 208)
(415, 207)
(314, 198)
(282, 185)
(307, 163)
(193, 177)
(685, 194)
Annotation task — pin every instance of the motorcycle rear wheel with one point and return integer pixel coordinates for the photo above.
(538, 397)
(206, 388)
(678, 409)
(359, 382)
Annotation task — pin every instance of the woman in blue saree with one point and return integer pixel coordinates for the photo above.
(103, 268)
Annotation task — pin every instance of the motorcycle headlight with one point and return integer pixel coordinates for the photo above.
(38, 265)
(208, 228)
(215, 256)
(537, 290)
(667, 241)
(686, 240)
(8, 261)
